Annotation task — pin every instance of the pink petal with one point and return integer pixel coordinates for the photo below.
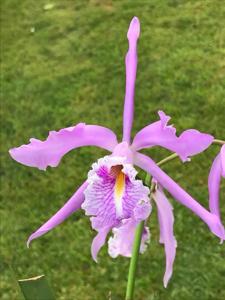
(215, 174)
(98, 242)
(214, 185)
(222, 153)
(123, 237)
(142, 210)
(212, 220)
(166, 220)
(131, 68)
(41, 154)
(73, 204)
(189, 143)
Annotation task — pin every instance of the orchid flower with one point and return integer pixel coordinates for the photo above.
(112, 196)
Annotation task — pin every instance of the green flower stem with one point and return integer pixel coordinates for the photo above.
(167, 159)
(134, 261)
(218, 142)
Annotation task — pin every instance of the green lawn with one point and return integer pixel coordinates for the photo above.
(64, 65)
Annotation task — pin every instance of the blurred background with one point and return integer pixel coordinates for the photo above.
(62, 63)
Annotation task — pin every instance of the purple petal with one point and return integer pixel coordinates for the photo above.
(216, 171)
(131, 68)
(142, 210)
(166, 220)
(73, 204)
(214, 185)
(222, 153)
(212, 220)
(123, 237)
(189, 143)
(41, 154)
(98, 242)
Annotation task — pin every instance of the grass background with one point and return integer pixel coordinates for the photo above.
(64, 65)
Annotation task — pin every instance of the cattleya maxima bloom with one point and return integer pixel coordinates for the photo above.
(112, 196)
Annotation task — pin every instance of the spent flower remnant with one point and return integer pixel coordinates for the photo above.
(112, 196)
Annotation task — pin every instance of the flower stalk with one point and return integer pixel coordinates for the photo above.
(134, 261)
(218, 142)
(135, 253)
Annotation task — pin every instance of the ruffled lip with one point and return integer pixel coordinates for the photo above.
(107, 211)
(100, 196)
